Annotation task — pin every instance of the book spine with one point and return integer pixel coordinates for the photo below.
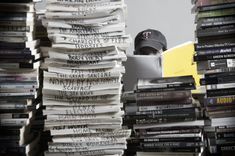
(216, 13)
(216, 7)
(168, 112)
(11, 144)
(170, 88)
(219, 75)
(13, 122)
(205, 46)
(213, 22)
(16, 52)
(14, 115)
(153, 102)
(7, 132)
(158, 120)
(152, 148)
(188, 139)
(22, 56)
(215, 32)
(226, 149)
(26, 85)
(225, 129)
(29, 95)
(167, 131)
(220, 86)
(17, 78)
(13, 150)
(4, 45)
(225, 135)
(218, 80)
(222, 100)
(9, 137)
(158, 117)
(163, 107)
(221, 92)
(202, 3)
(171, 96)
(173, 144)
(15, 28)
(213, 56)
(216, 64)
(221, 70)
(212, 52)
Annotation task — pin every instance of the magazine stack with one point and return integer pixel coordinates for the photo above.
(166, 119)
(82, 78)
(215, 57)
(19, 78)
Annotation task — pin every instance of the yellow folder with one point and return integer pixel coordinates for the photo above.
(178, 61)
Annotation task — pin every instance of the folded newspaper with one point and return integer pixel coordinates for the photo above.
(82, 77)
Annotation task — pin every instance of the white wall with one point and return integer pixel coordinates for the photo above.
(172, 17)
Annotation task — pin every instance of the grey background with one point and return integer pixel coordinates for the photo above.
(172, 17)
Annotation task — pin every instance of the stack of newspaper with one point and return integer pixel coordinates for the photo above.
(18, 78)
(82, 78)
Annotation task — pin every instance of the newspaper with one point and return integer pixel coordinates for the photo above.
(102, 21)
(82, 77)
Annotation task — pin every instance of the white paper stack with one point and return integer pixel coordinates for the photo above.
(82, 78)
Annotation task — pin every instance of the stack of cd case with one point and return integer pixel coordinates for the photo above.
(19, 79)
(129, 102)
(166, 119)
(215, 57)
